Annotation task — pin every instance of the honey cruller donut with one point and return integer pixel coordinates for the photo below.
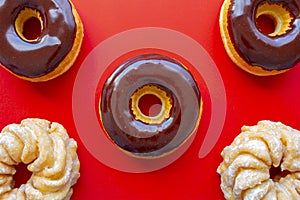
(51, 157)
(245, 170)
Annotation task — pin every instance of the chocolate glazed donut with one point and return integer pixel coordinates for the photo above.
(35, 58)
(150, 136)
(271, 52)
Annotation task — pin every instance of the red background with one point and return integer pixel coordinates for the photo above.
(249, 99)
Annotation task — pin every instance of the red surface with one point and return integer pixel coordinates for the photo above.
(249, 99)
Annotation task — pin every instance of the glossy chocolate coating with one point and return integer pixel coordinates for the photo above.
(136, 136)
(35, 59)
(258, 49)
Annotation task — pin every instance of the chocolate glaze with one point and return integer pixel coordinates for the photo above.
(256, 48)
(35, 59)
(136, 136)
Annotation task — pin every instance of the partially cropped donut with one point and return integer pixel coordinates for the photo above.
(50, 53)
(51, 157)
(254, 50)
(140, 134)
(248, 162)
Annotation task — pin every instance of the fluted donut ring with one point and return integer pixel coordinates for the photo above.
(51, 157)
(245, 170)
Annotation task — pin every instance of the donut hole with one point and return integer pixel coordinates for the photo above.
(22, 175)
(29, 25)
(266, 24)
(32, 29)
(276, 173)
(273, 19)
(150, 105)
